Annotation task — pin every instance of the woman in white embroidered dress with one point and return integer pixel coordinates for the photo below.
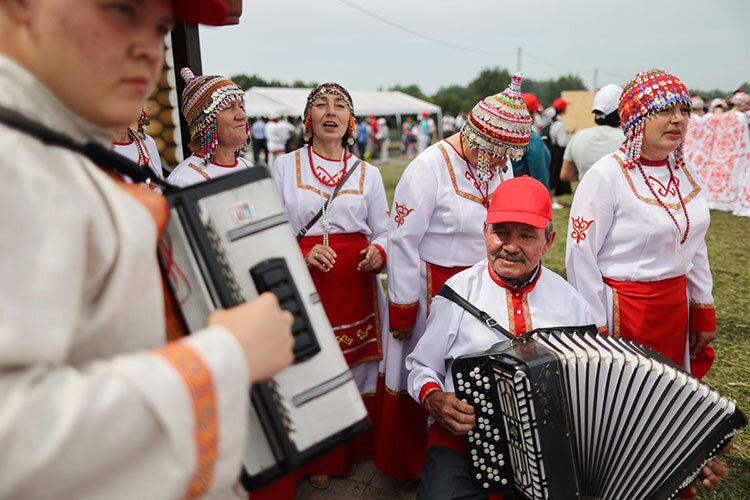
(344, 249)
(436, 231)
(636, 247)
(214, 107)
(138, 146)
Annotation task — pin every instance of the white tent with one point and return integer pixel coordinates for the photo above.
(270, 101)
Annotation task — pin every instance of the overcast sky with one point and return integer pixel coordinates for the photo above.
(437, 43)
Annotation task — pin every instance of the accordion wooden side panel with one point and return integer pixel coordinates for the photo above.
(226, 238)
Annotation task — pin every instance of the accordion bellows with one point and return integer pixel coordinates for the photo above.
(569, 413)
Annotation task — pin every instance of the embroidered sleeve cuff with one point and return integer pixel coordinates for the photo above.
(383, 257)
(428, 389)
(402, 315)
(702, 317)
(603, 329)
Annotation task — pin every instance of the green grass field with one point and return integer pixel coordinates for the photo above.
(728, 241)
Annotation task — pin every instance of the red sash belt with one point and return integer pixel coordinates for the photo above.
(652, 313)
(436, 278)
(349, 297)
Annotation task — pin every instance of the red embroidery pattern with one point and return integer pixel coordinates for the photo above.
(580, 226)
(669, 189)
(197, 378)
(401, 213)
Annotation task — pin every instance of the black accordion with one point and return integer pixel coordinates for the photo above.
(568, 413)
(227, 241)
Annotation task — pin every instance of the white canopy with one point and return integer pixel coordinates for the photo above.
(267, 101)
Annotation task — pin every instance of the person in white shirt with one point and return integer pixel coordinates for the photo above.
(636, 248)
(589, 145)
(138, 146)
(95, 403)
(345, 250)
(384, 138)
(278, 132)
(432, 234)
(514, 288)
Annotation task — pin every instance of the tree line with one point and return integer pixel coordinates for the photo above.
(457, 98)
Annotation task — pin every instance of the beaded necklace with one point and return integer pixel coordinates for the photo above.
(673, 180)
(332, 181)
(326, 202)
(477, 184)
(142, 157)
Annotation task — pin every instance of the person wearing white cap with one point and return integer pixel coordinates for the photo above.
(95, 403)
(589, 145)
(518, 292)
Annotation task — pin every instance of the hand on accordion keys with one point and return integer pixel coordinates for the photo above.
(450, 412)
(264, 331)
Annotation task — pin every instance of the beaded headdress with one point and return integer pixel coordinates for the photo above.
(499, 125)
(647, 93)
(202, 98)
(739, 97)
(337, 90)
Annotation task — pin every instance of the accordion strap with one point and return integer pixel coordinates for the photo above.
(302, 232)
(482, 316)
(101, 156)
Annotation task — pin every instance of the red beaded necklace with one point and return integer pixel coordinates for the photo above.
(486, 194)
(679, 195)
(331, 180)
(142, 157)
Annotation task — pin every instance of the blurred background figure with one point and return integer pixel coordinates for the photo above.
(423, 133)
(384, 139)
(589, 145)
(535, 161)
(449, 125)
(718, 105)
(556, 136)
(278, 131)
(258, 133)
(407, 139)
(138, 146)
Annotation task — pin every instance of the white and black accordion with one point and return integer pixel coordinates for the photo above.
(228, 240)
(569, 413)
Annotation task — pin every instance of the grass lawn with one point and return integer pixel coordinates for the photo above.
(728, 241)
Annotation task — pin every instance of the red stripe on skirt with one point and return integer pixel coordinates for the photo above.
(349, 297)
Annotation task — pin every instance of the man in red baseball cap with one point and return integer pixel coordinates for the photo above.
(95, 404)
(513, 287)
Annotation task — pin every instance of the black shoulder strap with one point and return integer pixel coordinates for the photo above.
(94, 151)
(482, 316)
(302, 232)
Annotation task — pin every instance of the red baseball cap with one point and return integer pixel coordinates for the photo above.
(210, 12)
(532, 103)
(560, 104)
(521, 199)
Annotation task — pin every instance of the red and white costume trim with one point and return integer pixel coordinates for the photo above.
(452, 332)
(353, 300)
(131, 151)
(194, 170)
(718, 146)
(435, 231)
(640, 283)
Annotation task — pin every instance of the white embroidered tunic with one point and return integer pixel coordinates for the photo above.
(93, 405)
(130, 151)
(193, 170)
(360, 205)
(437, 217)
(619, 231)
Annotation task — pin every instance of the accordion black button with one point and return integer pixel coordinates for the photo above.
(273, 275)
